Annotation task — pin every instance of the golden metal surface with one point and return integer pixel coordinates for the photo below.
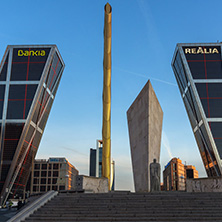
(106, 156)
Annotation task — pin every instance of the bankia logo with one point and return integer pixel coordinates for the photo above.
(201, 50)
(31, 52)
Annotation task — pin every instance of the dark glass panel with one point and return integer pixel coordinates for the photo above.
(190, 113)
(35, 181)
(20, 100)
(216, 129)
(214, 70)
(205, 104)
(35, 71)
(19, 72)
(17, 92)
(15, 110)
(28, 63)
(4, 70)
(49, 181)
(180, 73)
(2, 92)
(12, 135)
(4, 172)
(215, 107)
(49, 173)
(197, 70)
(2, 95)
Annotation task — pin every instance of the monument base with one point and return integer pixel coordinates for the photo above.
(213, 184)
(91, 184)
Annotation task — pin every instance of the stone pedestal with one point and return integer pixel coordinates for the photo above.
(91, 184)
(213, 184)
(145, 118)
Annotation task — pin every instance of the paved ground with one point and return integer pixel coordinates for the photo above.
(6, 214)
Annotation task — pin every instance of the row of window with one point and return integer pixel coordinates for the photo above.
(44, 180)
(47, 188)
(44, 173)
(44, 166)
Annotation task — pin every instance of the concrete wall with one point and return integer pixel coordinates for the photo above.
(145, 118)
(204, 184)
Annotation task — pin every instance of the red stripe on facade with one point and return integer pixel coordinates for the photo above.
(203, 60)
(211, 98)
(26, 62)
(19, 99)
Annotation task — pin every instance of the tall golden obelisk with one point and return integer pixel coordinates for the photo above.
(106, 157)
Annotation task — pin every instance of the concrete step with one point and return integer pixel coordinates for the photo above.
(132, 207)
(153, 218)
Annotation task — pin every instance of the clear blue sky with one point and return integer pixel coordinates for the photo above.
(145, 34)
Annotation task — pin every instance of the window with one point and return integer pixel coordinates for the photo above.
(56, 166)
(37, 166)
(44, 166)
(55, 173)
(36, 173)
(43, 173)
(42, 188)
(43, 181)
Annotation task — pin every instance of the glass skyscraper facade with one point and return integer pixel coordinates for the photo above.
(198, 71)
(29, 78)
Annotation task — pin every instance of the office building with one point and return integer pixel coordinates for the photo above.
(176, 173)
(145, 118)
(52, 174)
(95, 164)
(198, 71)
(29, 78)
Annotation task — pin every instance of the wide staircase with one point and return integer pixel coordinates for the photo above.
(126, 206)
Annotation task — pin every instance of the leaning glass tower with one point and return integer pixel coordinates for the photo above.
(29, 78)
(198, 71)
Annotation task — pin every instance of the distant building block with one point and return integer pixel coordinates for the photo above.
(145, 118)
